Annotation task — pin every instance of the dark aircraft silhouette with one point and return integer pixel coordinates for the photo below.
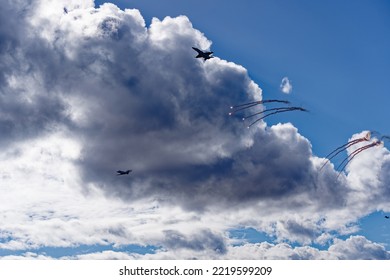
(204, 55)
(120, 172)
(387, 217)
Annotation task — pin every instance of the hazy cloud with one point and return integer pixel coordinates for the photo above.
(286, 86)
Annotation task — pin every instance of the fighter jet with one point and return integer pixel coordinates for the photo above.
(120, 172)
(204, 55)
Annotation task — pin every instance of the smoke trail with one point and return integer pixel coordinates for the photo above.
(264, 111)
(241, 107)
(338, 150)
(347, 160)
(287, 109)
(385, 137)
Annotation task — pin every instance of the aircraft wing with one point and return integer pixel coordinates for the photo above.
(198, 50)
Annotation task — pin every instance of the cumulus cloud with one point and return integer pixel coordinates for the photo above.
(354, 248)
(286, 86)
(87, 91)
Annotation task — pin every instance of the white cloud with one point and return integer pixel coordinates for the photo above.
(286, 86)
(355, 248)
(90, 91)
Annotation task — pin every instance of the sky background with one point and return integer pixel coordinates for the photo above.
(88, 88)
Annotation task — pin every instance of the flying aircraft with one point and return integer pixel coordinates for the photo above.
(204, 55)
(120, 172)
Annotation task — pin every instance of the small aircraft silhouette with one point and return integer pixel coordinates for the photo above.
(204, 55)
(120, 172)
(387, 217)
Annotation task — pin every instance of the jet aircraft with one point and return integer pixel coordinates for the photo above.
(120, 172)
(204, 55)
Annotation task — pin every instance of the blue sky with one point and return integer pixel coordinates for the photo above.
(92, 89)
